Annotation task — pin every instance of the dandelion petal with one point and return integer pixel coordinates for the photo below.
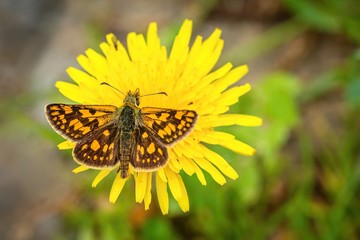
(140, 186)
(162, 194)
(101, 175)
(173, 183)
(184, 199)
(147, 197)
(80, 169)
(116, 188)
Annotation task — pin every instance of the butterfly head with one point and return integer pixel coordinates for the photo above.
(133, 98)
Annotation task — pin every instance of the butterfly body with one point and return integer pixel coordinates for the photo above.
(107, 136)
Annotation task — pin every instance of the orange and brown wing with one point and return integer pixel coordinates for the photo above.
(149, 153)
(99, 150)
(168, 125)
(74, 122)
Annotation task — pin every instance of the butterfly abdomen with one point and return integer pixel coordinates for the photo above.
(126, 127)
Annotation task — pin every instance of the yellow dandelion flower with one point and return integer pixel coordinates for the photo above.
(162, 134)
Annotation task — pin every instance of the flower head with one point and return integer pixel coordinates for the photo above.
(186, 76)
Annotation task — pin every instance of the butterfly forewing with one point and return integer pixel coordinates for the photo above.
(75, 122)
(168, 125)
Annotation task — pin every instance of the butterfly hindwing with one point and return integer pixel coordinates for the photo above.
(168, 125)
(100, 150)
(149, 153)
(75, 122)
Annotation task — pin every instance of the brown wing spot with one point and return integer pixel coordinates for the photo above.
(151, 148)
(95, 145)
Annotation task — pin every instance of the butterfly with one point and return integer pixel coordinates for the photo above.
(107, 136)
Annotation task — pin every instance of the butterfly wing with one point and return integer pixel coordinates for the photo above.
(168, 125)
(74, 122)
(99, 150)
(148, 153)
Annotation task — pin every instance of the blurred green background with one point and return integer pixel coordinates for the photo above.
(304, 181)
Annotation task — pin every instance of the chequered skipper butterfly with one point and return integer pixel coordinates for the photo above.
(106, 136)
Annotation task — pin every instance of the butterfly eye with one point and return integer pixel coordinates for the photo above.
(137, 101)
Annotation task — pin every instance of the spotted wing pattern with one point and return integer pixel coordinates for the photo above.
(75, 122)
(168, 125)
(97, 134)
(100, 150)
(149, 153)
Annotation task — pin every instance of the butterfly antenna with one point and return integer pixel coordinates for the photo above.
(164, 93)
(107, 84)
